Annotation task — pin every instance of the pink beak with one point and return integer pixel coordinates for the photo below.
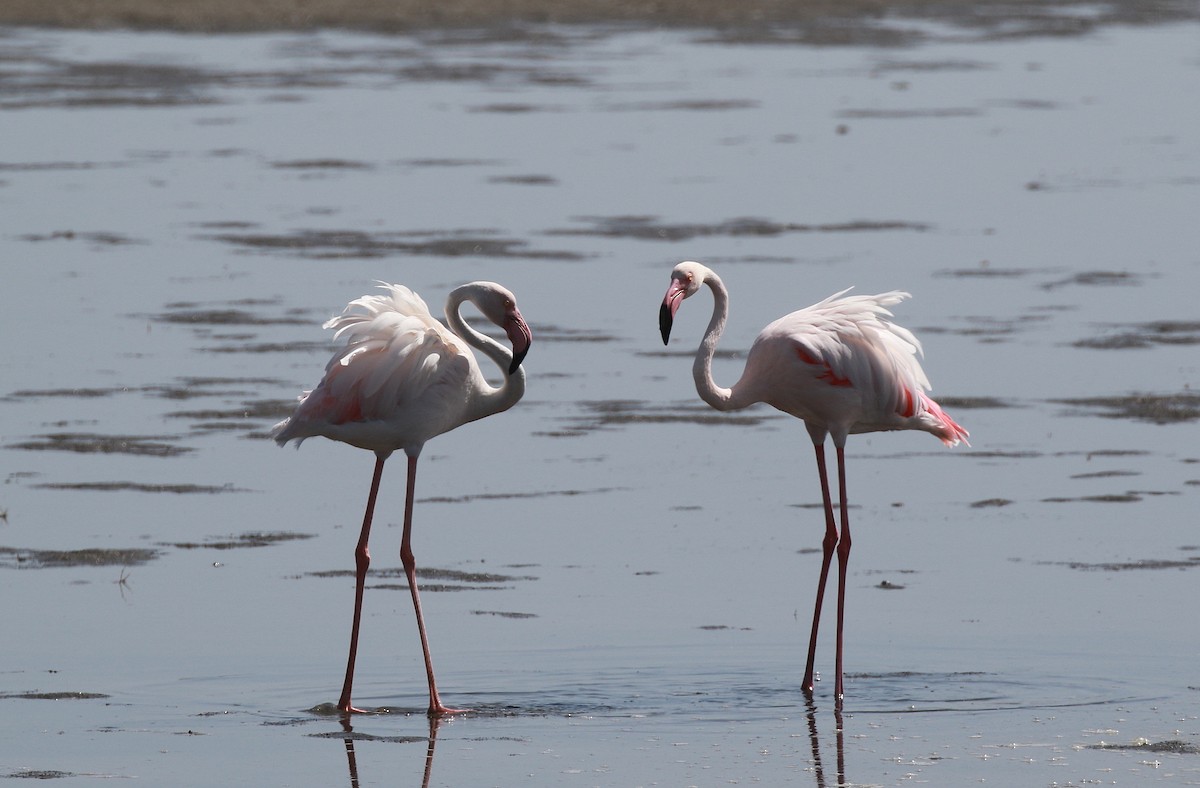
(670, 305)
(520, 336)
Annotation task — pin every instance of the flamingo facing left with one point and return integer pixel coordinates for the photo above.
(401, 379)
(842, 366)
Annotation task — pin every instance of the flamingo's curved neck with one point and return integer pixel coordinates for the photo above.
(709, 391)
(491, 399)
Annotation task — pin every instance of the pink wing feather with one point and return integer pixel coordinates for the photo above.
(851, 342)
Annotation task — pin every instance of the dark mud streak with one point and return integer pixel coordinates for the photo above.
(555, 333)
(251, 539)
(98, 239)
(991, 503)
(510, 108)
(229, 224)
(187, 388)
(887, 66)
(89, 443)
(1089, 455)
(1154, 408)
(54, 695)
(184, 388)
(60, 166)
(975, 403)
(129, 84)
(321, 164)
(360, 736)
(688, 352)
(451, 162)
(436, 588)
(1139, 336)
(354, 244)
(490, 73)
(819, 22)
(985, 272)
(208, 428)
(270, 347)
(648, 228)
(177, 489)
(514, 496)
(223, 317)
(695, 105)
(611, 414)
(525, 180)
(988, 329)
(430, 573)
(1123, 566)
(1128, 497)
(258, 409)
(903, 114)
(82, 393)
(18, 558)
(1098, 278)
(1170, 746)
(1105, 474)
(974, 454)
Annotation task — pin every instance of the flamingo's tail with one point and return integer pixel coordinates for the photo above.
(941, 425)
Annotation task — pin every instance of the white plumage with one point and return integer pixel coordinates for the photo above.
(403, 378)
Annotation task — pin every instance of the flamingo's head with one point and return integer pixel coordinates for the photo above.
(499, 305)
(685, 282)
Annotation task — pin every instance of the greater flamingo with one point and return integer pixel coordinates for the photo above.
(401, 379)
(842, 366)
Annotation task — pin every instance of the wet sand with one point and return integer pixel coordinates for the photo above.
(810, 21)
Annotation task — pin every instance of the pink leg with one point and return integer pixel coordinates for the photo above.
(410, 569)
(362, 560)
(843, 552)
(827, 545)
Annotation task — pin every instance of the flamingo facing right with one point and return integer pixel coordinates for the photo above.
(842, 366)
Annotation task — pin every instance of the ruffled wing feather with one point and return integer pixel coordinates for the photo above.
(395, 350)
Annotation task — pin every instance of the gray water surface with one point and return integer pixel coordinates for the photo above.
(618, 580)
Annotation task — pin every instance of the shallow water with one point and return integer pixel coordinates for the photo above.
(624, 577)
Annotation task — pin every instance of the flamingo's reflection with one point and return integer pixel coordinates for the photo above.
(814, 737)
(352, 761)
(813, 734)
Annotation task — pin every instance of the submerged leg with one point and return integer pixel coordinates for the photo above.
(410, 570)
(827, 545)
(362, 560)
(843, 552)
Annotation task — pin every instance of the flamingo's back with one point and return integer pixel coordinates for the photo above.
(400, 379)
(844, 366)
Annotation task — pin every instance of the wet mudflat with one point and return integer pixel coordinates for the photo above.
(618, 579)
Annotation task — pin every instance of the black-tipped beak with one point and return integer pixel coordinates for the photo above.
(521, 338)
(665, 318)
(670, 305)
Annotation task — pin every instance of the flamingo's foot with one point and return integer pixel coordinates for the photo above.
(438, 710)
(346, 708)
